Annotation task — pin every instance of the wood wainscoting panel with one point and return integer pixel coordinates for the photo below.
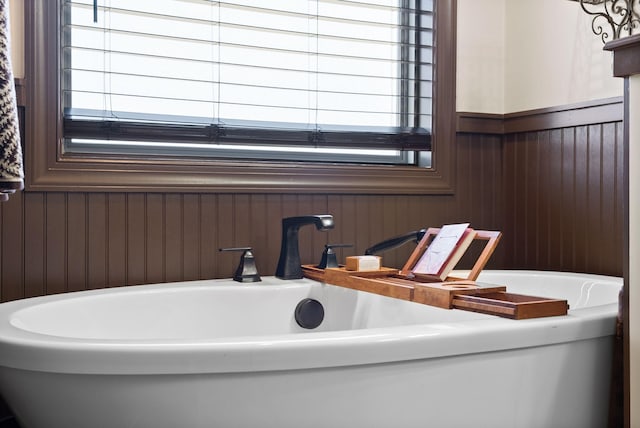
(136, 238)
(563, 190)
(191, 245)
(28, 240)
(97, 240)
(481, 157)
(173, 233)
(56, 242)
(78, 230)
(12, 250)
(154, 238)
(117, 230)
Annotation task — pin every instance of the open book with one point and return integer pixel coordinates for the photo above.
(444, 252)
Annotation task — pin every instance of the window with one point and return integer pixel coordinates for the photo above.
(238, 95)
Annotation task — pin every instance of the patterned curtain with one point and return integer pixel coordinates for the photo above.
(11, 170)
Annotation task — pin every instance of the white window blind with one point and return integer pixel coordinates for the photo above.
(279, 74)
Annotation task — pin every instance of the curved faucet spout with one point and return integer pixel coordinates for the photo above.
(289, 265)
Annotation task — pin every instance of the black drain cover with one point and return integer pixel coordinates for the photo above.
(309, 313)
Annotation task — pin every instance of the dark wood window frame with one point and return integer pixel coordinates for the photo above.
(48, 168)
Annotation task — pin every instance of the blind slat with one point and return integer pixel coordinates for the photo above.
(399, 138)
(173, 13)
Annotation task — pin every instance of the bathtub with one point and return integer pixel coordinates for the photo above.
(222, 354)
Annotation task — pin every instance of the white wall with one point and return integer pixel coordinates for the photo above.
(16, 15)
(516, 55)
(553, 58)
(481, 56)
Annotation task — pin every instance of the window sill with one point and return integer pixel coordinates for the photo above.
(82, 174)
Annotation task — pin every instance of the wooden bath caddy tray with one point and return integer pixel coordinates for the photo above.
(458, 293)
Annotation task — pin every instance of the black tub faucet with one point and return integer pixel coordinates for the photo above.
(289, 265)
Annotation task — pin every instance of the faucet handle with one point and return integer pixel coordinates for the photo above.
(329, 259)
(246, 271)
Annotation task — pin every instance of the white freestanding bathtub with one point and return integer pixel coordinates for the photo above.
(223, 354)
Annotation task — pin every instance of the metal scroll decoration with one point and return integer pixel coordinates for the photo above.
(613, 19)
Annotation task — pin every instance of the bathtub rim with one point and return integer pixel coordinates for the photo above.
(292, 352)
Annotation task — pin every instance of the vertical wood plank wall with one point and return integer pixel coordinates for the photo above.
(555, 194)
(564, 199)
